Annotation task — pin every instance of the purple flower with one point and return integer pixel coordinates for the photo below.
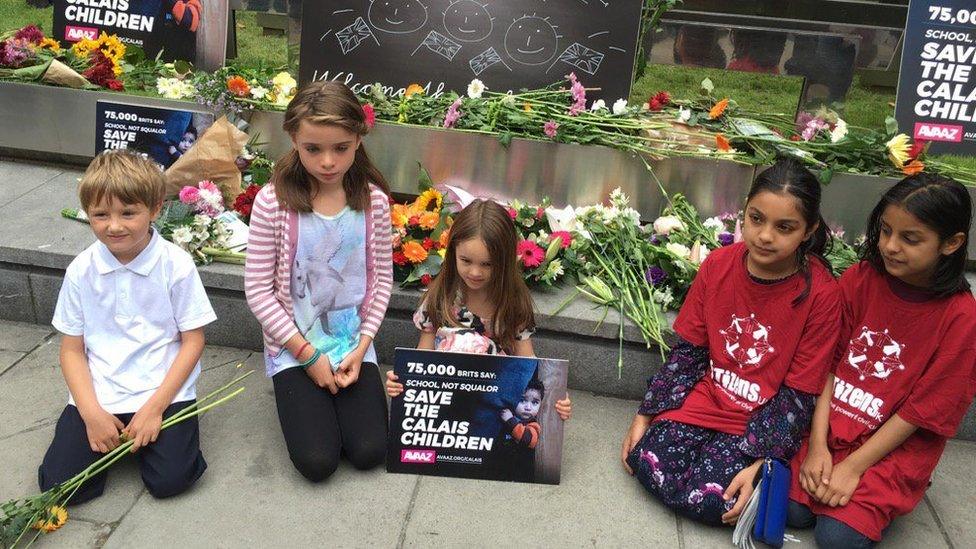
(549, 128)
(802, 120)
(453, 114)
(726, 239)
(655, 240)
(655, 275)
(15, 52)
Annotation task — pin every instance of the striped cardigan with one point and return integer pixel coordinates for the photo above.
(271, 245)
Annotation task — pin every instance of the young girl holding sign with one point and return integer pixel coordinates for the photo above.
(904, 374)
(479, 302)
(318, 278)
(756, 335)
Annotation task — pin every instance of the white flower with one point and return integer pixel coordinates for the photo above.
(679, 250)
(259, 92)
(201, 222)
(508, 100)
(630, 215)
(182, 236)
(174, 88)
(698, 253)
(839, 132)
(620, 106)
(561, 219)
(684, 114)
(554, 270)
(715, 224)
(664, 297)
(667, 223)
(476, 88)
(599, 104)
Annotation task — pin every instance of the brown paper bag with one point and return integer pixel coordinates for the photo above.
(211, 157)
(62, 75)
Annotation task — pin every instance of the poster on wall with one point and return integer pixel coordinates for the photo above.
(163, 134)
(937, 86)
(477, 416)
(444, 44)
(171, 26)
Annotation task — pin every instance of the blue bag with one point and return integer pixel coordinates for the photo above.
(764, 517)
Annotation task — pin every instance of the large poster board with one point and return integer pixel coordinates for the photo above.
(477, 416)
(937, 85)
(444, 44)
(163, 134)
(189, 30)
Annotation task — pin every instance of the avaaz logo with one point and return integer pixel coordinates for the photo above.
(73, 33)
(938, 132)
(418, 456)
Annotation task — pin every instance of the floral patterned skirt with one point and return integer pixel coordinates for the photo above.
(688, 468)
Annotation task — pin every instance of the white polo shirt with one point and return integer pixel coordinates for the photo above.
(131, 317)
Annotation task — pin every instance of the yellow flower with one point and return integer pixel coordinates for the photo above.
(428, 220)
(526, 107)
(441, 252)
(50, 44)
(413, 89)
(56, 518)
(111, 46)
(84, 47)
(423, 201)
(414, 251)
(400, 214)
(898, 148)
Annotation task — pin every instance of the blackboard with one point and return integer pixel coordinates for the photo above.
(937, 86)
(444, 44)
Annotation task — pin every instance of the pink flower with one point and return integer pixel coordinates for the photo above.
(540, 212)
(189, 195)
(370, 115)
(453, 114)
(579, 95)
(737, 235)
(208, 185)
(549, 128)
(530, 253)
(30, 33)
(565, 236)
(512, 212)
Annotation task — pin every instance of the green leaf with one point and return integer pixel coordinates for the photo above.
(825, 175)
(891, 125)
(182, 66)
(505, 139)
(707, 86)
(134, 54)
(424, 182)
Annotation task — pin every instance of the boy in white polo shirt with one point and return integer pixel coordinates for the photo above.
(131, 313)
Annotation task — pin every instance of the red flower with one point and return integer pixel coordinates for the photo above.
(917, 149)
(245, 201)
(530, 253)
(662, 97)
(370, 113)
(425, 279)
(115, 85)
(654, 105)
(400, 258)
(31, 34)
(540, 212)
(427, 243)
(414, 220)
(565, 236)
(102, 72)
(796, 138)
(512, 212)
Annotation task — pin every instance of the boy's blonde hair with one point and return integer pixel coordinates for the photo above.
(128, 176)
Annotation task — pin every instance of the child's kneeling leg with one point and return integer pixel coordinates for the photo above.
(834, 534)
(68, 455)
(799, 516)
(174, 462)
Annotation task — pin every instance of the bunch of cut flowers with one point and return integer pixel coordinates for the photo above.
(546, 251)
(193, 222)
(46, 512)
(420, 232)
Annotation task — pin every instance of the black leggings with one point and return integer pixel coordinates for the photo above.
(318, 426)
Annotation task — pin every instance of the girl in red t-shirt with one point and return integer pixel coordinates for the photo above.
(756, 338)
(904, 373)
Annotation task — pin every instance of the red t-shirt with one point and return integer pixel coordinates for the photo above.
(756, 338)
(915, 359)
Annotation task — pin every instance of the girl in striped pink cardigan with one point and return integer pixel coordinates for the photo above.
(318, 278)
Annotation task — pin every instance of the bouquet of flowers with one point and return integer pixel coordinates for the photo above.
(46, 512)
(420, 233)
(193, 223)
(544, 254)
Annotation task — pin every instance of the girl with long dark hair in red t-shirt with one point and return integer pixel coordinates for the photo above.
(756, 336)
(904, 373)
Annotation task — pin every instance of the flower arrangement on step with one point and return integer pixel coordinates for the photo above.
(27, 55)
(46, 512)
(194, 223)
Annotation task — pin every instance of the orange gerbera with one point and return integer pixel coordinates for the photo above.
(55, 518)
(428, 220)
(238, 86)
(400, 214)
(445, 236)
(718, 109)
(914, 167)
(413, 89)
(414, 251)
(722, 143)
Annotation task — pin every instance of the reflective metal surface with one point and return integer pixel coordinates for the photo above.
(57, 124)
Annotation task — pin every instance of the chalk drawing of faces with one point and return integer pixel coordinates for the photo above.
(468, 21)
(397, 16)
(531, 40)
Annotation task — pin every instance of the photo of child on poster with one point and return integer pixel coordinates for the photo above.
(477, 416)
(163, 134)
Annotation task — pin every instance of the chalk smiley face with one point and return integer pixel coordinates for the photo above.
(397, 16)
(467, 21)
(531, 40)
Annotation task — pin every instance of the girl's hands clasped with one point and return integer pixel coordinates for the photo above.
(321, 374)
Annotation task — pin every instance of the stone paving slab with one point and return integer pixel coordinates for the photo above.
(33, 392)
(951, 494)
(21, 336)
